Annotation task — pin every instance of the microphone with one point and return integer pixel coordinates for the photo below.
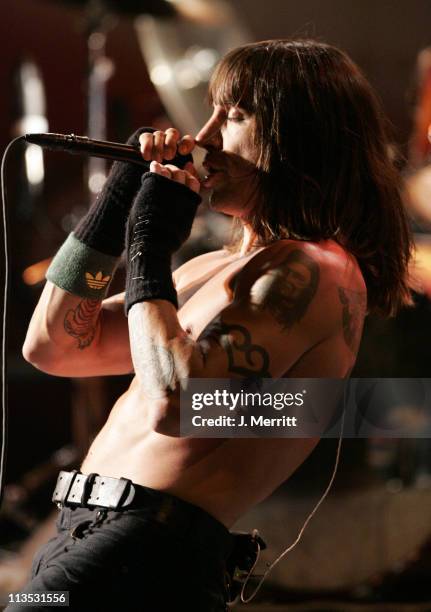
(82, 145)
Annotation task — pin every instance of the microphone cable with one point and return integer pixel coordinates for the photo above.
(3, 358)
(271, 566)
(72, 144)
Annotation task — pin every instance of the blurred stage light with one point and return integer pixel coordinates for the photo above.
(34, 164)
(204, 60)
(96, 181)
(160, 74)
(35, 273)
(186, 74)
(181, 55)
(31, 123)
(32, 108)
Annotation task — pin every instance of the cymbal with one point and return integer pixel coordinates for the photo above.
(130, 8)
(217, 13)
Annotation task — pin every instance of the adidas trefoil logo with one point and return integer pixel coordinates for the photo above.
(98, 281)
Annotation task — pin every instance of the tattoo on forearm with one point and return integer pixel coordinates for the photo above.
(80, 322)
(244, 357)
(354, 308)
(288, 290)
(155, 364)
(159, 365)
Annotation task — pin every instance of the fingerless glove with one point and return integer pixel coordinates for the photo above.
(86, 262)
(160, 222)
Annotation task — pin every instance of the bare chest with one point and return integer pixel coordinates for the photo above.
(205, 288)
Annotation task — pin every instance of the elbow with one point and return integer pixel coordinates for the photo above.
(38, 355)
(29, 351)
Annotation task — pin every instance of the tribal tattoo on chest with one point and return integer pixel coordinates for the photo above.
(354, 305)
(244, 357)
(81, 322)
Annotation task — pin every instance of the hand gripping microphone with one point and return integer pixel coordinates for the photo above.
(81, 145)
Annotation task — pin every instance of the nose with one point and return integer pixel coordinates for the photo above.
(210, 136)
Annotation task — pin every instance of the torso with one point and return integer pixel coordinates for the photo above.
(225, 477)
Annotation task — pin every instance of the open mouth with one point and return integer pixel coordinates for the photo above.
(212, 177)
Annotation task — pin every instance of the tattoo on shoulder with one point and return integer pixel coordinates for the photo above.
(80, 322)
(354, 308)
(244, 358)
(290, 288)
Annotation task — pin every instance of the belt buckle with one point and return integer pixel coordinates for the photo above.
(112, 493)
(124, 494)
(62, 487)
(79, 492)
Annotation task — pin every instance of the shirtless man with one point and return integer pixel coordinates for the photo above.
(297, 155)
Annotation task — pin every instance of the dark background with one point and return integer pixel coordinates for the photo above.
(383, 37)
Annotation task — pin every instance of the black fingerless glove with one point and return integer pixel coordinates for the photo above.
(86, 262)
(160, 222)
(103, 227)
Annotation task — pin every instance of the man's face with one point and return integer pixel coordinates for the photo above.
(296, 279)
(289, 282)
(228, 137)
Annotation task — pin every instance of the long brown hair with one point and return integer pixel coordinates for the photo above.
(324, 163)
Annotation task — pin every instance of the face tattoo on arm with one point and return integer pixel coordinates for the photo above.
(291, 288)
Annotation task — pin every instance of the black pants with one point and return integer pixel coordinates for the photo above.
(135, 560)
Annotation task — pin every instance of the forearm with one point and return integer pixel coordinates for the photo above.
(163, 353)
(73, 321)
(160, 221)
(61, 323)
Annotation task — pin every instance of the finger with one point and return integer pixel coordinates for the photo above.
(146, 143)
(193, 183)
(159, 169)
(159, 145)
(189, 167)
(186, 144)
(179, 176)
(171, 141)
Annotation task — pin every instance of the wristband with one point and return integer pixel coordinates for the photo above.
(160, 221)
(81, 270)
(86, 262)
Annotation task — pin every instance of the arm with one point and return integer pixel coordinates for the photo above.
(73, 336)
(74, 331)
(77, 337)
(273, 319)
(285, 303)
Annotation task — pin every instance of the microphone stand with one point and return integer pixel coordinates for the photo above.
(89, 402)
(89, 396)
(100, 70)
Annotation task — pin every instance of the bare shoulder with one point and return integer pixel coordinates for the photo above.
(326, 265)
(318, 285)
